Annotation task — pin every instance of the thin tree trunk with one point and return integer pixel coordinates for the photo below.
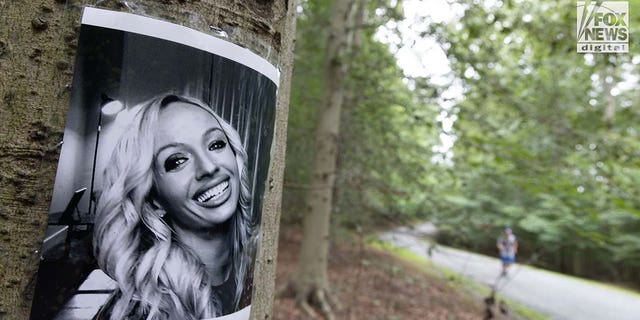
(310, 280)
(38, 41)
(610, 103)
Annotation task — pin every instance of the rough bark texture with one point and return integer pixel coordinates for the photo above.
(267, 255)
(310, 280)
(38, 41)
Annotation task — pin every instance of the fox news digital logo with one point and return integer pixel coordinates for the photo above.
(603, 27)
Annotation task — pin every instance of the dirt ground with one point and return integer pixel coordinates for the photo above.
(374, 285)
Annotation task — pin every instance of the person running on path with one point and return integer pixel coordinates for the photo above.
(508, 246)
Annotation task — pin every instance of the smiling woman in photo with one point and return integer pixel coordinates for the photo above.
(173, 225)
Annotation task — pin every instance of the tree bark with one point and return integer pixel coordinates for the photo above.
(38, 42)
(310, 280)
(267, 255)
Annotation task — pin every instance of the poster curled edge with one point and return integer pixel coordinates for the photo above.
(180, 34)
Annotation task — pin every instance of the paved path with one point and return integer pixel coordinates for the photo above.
(556, 295)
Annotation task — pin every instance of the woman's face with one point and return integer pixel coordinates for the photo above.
(196, 173)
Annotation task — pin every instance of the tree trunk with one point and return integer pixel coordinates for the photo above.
(38, 42)
(266, 257)
(610, 102)
(310, 280)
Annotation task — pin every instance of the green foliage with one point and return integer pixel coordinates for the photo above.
(386, 139)
(533, 149)
(305, 99)
(386, 132)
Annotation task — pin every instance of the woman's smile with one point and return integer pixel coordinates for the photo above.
(214, 196)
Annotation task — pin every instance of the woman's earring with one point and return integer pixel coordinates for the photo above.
(158, 209)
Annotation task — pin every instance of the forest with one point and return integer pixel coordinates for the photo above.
(469, 117)
(513, 128)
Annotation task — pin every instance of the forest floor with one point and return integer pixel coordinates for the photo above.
(372, 284)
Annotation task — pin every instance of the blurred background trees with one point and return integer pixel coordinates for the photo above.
(521, 131)
(547, 139)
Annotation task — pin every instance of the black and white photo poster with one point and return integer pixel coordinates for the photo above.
(156, 203)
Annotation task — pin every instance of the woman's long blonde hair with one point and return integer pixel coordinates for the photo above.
(158, 277)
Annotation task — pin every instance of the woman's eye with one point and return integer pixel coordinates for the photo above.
(218, 144)
(174, 162)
